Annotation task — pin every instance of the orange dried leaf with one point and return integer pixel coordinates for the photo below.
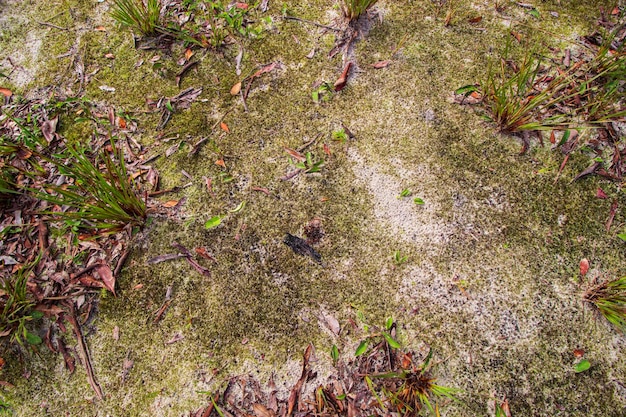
(579, 353)
(235, 89)
(121, 122)
(224, 127)
(552, 138)
(100, 29)
(6, 92)
(188, 53)
(584, 266)
(170, 203)
(476, 19)
(516, 35)
(241, 5)
(295, 154)
(220, 162)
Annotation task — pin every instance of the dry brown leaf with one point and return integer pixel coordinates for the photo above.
(121, 122)
(224, 127)
(295, 154)
(476, 19)
(100, 29)
(6, 92)
(49, 128)
(235, 89)
(106, 275)
(552, 138)
(109, 56)
(381, 64)
(331, 322)
(262, 411)
(188, 53)
(584, 266)
(170, 203)
(220, 162)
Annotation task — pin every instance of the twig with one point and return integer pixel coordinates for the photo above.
(52, 26)
(310, 22)
(84, 351)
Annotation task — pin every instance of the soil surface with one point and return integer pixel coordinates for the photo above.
(485, 271)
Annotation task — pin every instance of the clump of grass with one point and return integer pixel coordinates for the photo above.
(16, 306)
(418, 390)
(106, 200)
(353, 9)
(141, 15)
(609, 299)
(529, 96)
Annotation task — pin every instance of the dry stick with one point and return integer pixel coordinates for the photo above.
(310, 22)
(84, 351)
(52, 26)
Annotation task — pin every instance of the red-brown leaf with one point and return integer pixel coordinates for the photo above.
(106, 275)
(584, 266)
(6, 92)
(224, 127)
(343, 79)
(601, 194)
(381, 64)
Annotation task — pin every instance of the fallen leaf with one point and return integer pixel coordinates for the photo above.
(330, 321)
(176, 338)
(381, 64)
(170, 203)
(116, 333)
(224, 127)
(552, 138)
(261, 411)
(121, 122)
(343, 79)
(579, 353)
(204, 253)
(295, 154)
(109, 56)
(100, 29)
(188, 53)
(327, 150)
(106, 275)
(311, 54)
(220, 162)
(242, 6)
(235, 89)
(505, 408)
(517, 36)
(584, 266)
(6, 92)
(476, 19)
(612, 213)
(601, 194)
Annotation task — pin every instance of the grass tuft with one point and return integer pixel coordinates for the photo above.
(609, 299)
(106, 200)
(353, 9)
(141, 15)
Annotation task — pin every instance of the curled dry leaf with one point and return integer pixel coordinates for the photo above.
(261, 411)
(343, 79)
(49, 128)
(584, 266)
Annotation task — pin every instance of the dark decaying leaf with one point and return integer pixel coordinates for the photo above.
(106, 275)
(343, 79)
(49, 128)
(295, 392)
(299, 246)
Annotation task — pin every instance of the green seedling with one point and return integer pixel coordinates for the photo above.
(418, 201)
(405, 193)
(340, 135)
(582, 366)
(334, 354)
(323, 93)
(399, 259)
(309, 165)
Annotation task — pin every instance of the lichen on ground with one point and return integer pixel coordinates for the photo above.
(491, 280)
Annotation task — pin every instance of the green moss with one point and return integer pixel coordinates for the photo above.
(492, 218)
